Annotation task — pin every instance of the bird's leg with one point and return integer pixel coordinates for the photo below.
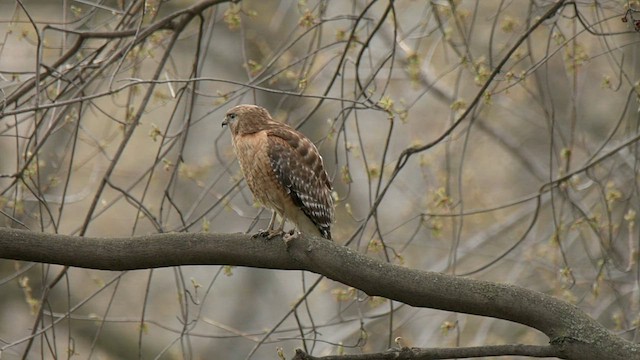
(272, 221)
(265, 233)
(270, 233)
(276, 232)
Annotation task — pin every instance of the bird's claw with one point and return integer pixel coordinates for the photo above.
(268, 234)
(291, 235)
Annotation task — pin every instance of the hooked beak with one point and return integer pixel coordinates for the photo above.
(225, 122)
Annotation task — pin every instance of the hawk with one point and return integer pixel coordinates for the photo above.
(283, 169)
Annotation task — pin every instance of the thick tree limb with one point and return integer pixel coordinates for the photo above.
(574, 334)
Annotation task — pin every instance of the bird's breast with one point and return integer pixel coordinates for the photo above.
(253, 156)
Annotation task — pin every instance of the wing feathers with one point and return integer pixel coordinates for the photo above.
(298, 166)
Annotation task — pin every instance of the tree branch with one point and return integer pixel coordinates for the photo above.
(572, 333)
(442, 353)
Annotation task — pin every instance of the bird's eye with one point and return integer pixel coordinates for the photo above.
(229, 119)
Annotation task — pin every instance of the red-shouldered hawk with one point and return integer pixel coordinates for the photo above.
(283, 169)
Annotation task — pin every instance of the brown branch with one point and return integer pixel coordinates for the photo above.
(442, 353)
(572, 333)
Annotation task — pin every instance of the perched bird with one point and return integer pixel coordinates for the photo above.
(283, 169)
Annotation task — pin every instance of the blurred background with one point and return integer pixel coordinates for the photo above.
(110, 125)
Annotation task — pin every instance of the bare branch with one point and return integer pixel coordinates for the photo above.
(442, 353)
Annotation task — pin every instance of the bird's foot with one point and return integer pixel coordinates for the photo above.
(268, 234)
(291, 235)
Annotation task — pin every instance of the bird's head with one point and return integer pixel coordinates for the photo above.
(246, 119)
